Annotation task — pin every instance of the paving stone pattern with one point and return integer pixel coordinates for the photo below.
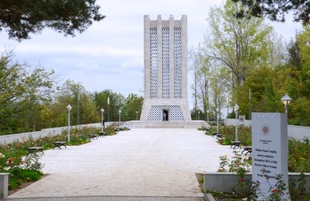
(110, 198)
(140, 164)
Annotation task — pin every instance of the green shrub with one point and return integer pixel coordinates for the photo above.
(244, 134)
(13, 183)
(211, 130)
(110, 130)
(299, 155)
(299, 151)
(30, 175)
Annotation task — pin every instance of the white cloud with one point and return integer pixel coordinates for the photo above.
(110, 53)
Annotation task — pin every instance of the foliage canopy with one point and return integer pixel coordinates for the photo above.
(22, 17)
(261, 67)
(276, 10)
(32, 99)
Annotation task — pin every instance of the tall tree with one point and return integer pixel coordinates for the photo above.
(111, 102)
(194, 66)
(201, 66)
(212, 82)
(238, 44)
(132, 107)
(22, 91)
(22, 17)
(303, 40)
(262, 87)
(83, 106)
(219, 85)
(294, 57)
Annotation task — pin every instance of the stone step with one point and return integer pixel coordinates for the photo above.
(168, 124)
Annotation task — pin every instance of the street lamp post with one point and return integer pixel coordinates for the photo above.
(108, 108)
(137, 115)
(217, 120)
(227, 107)
(119, 117)
(69, 107)
(236, 107)
(102, 110)
(286, 100)
(198, 115)
(78, 107)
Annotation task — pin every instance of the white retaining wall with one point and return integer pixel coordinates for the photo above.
(226, 181)
(296, 132)
(5, 139)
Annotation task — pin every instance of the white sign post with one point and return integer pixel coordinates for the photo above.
(270, 152)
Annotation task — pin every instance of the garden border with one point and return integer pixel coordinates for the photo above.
(296, 132)
(225, 181)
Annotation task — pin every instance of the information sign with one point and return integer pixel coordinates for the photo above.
(269, 152)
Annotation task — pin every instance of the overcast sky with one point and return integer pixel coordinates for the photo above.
(109, 55)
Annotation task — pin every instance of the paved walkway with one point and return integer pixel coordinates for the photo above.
(140, 164)
(110, 198)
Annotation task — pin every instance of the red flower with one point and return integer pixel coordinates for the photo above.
(10, 160)
(241, 180)
(275, 190)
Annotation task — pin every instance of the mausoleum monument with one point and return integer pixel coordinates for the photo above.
(165, 70)
(165, 74)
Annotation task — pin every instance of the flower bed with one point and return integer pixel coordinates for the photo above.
(227, 181)
(24, 167)
(233, 180)
(299, 151)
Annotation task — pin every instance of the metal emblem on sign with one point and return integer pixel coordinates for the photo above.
(266, 130)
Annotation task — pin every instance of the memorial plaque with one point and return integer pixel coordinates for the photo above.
(269, 151)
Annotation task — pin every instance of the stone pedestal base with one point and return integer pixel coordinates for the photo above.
(4, 180)
(171, 110)
(167, 124)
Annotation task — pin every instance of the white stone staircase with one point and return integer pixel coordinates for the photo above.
(167, 124)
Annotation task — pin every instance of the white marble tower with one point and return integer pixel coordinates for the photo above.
(165, 70)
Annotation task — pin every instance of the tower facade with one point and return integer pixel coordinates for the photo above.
(165, 70)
